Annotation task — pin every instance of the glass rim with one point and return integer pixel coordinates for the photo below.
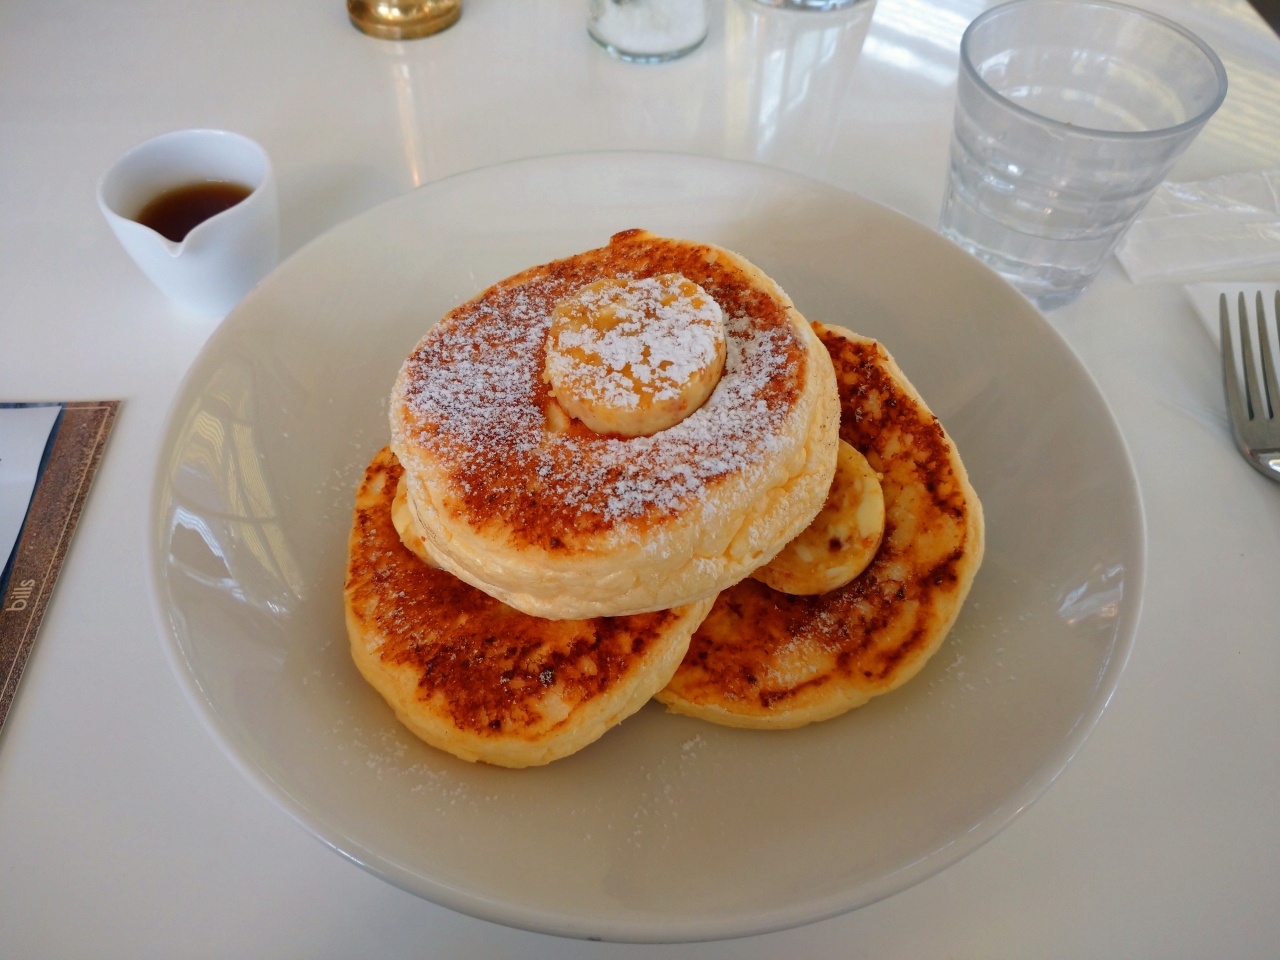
(1075, 129)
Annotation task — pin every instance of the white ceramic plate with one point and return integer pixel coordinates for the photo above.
(668, 828)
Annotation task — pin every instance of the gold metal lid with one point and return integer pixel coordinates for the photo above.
(403, 19)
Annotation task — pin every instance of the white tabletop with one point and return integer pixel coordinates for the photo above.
(125, 832)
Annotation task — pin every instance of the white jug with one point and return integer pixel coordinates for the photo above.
(219, 260)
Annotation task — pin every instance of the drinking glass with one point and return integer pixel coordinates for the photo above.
(1069, 113)
(788, 76)
(816, 5)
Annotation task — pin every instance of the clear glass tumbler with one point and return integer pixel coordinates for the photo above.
(816, 5)
(648, 31)
(1069, 113)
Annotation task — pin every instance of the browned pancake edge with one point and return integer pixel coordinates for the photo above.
(769, 659)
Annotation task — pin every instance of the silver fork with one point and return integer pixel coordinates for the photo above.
(1255, 417)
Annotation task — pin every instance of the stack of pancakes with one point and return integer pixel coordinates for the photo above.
(518, 582)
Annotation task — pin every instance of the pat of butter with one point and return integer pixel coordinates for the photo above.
(633, 357)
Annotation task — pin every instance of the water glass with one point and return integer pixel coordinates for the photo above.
(648, 31)
(821, 6)
(1069, 113)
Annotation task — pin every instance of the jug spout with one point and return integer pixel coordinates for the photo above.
(218, 259)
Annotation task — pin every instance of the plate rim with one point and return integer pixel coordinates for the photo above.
(722, 927)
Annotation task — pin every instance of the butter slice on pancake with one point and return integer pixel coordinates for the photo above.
(634, 357)
(767, 659)
(472, 676)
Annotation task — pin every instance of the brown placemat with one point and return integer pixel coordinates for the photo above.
(51, 520)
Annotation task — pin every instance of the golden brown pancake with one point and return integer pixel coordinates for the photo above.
(772, 660)
(407, 526)
(559, 521)
(472, 676)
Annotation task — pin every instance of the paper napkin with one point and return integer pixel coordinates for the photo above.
(24, 433)
(1193, 231)
(1204, 297)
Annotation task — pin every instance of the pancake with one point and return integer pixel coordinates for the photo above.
(406, 524)
(476, 678)
(561, 522)
(766, 659)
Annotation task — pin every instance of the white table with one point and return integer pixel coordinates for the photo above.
(124, 831)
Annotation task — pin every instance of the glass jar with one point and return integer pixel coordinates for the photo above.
(648, 31)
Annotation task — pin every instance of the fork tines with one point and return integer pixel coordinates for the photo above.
(1254, 417)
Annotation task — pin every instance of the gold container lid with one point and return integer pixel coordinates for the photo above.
(403, 19)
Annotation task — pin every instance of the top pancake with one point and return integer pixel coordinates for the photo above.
(562, 522)
(772, 660)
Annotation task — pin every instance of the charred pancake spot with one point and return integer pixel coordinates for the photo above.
(835, 544)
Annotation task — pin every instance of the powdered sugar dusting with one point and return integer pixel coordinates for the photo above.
(659, 338)
(474, 401)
